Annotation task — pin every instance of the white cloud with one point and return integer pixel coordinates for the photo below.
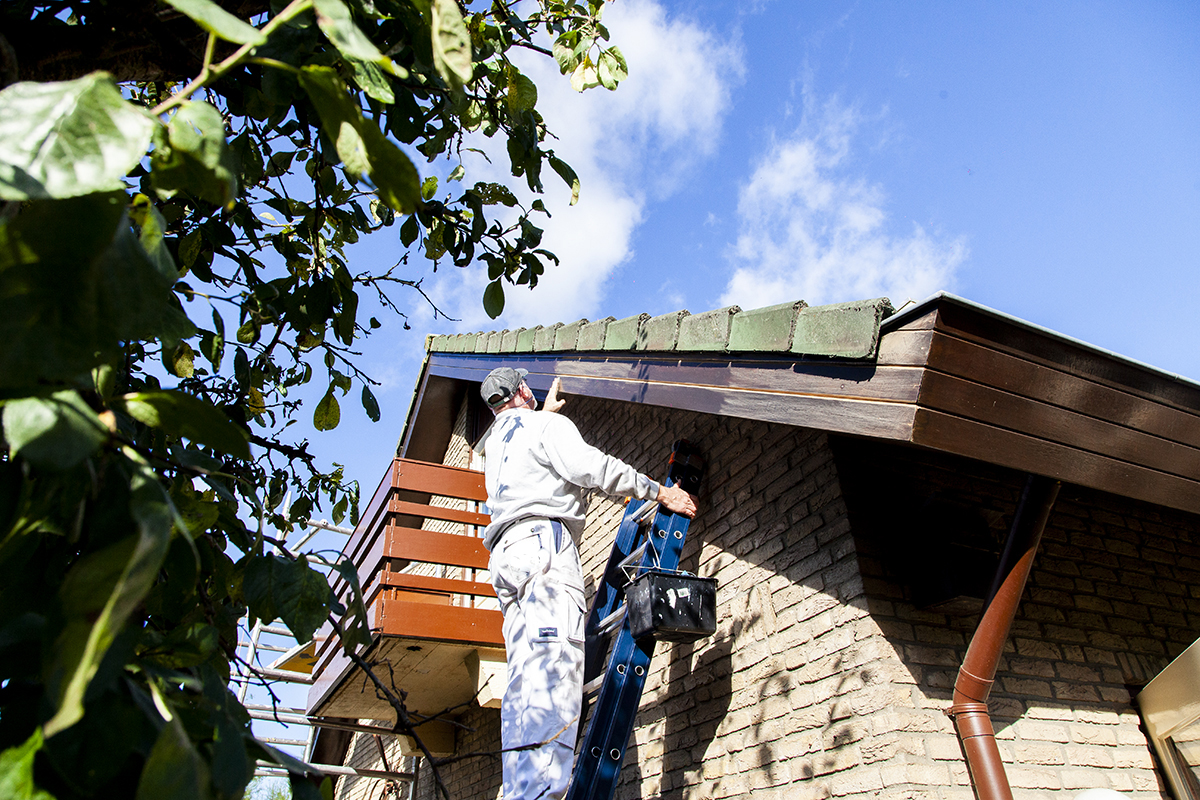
(627, 146)
(811, 229)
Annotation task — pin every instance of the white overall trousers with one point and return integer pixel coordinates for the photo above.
(536, 573)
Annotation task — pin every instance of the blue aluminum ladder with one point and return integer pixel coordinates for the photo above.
(598, 765)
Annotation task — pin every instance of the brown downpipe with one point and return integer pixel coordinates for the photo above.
(969, 708)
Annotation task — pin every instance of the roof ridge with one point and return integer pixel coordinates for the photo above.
(844, 330)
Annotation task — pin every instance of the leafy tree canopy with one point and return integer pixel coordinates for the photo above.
(179, 182)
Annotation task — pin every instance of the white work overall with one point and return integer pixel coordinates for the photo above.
(536, 573)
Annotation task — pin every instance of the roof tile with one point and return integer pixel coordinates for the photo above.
(845, 330)
(623, 333)
(525, 340)
(543, 340)
(707, 331)
(767, 329)
(591, 336)
(508, 342)
(566, 336)
(660, 333)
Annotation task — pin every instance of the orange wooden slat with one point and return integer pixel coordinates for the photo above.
(406, 580)
(452, 549)
(422, 476)
(437, 512)
(439, 623)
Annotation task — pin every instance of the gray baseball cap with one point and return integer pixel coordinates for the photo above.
(501, 385)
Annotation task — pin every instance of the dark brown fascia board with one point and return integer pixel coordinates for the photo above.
(857, 398)
(1015, 335)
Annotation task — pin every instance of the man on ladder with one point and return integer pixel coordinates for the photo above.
(536, 468)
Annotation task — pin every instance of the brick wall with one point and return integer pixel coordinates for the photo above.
(476, 778)
(824, 678)
(1111, 600)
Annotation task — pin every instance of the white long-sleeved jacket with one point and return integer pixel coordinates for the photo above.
(537, 465)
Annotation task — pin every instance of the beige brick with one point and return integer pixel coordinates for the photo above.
(1132, 757)
(1084, 756)
(943, 748)
(1088, 734)
(1045, 731)
(1025, 778)
(1050, 711)
(1041, 755)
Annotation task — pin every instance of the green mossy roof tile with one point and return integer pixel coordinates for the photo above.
(508, 342)
(468, 342)
(525, 340)
(591, 336)
(543, 341)
(767, 329)
(623, 333)
(708, 331)
(661, 333)
(845, 330)
(566, 336)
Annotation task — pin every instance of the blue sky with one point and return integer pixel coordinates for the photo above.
(1042, 159)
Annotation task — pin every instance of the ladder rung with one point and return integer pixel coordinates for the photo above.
(634, 556)
(593, 686)
(612, 621)
(646, 511)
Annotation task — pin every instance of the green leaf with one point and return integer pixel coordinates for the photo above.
(409, 231)
(70, 302)
(429, 187)
(612, 68)
(199, 515)
(335, 21)
(213, 18)
(522, 92)
(248, 332)
(192, 156)
(327, 414)
(371, 80)
(254, 401)
(153, 227)
(370, 404)
(277, 587)
(56, 432)
(99, 593)
(363, 148)
(189, 248)
(584, 76)
(568, 175)
(564, 54)
(354, 626)
(16, 771)
(493, 299)
(451, 43)
(174, 768)
(69, 138)
(180, 414)
(180, 360)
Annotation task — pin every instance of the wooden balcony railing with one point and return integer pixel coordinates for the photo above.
(417, 551)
